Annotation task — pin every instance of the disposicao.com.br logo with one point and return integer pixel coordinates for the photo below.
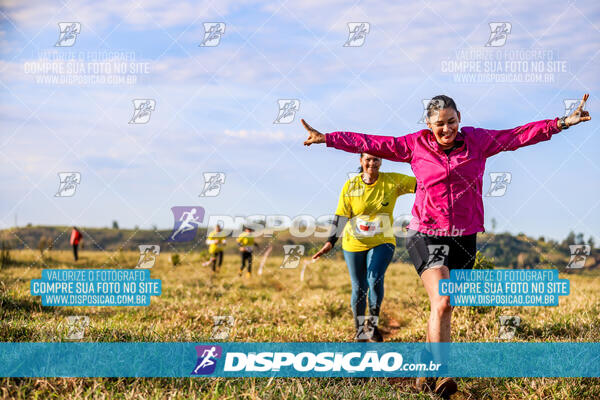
(305, 362)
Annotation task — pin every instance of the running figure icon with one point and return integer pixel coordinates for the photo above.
(207, 355)
(207, 359)
(190, 222)
(186, 221)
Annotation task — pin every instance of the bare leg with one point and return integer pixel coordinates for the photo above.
(438, 327)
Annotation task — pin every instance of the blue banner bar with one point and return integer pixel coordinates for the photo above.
(299, 359)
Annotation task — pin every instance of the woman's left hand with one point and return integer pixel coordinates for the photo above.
(579, 114)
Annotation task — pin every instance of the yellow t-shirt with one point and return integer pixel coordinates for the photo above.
(246, 240)
(218, 242)
(370, 209)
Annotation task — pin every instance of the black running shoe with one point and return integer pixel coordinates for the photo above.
(375, 335)
(372, 331)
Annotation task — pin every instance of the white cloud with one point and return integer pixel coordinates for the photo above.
(255, 135)
(143, 15)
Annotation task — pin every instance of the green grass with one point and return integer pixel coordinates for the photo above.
(277, 307)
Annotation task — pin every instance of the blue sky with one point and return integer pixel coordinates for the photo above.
(215, 106)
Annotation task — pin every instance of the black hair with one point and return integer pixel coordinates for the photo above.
(440, 102)
(360, 170)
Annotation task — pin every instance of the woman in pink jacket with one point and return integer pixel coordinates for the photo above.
(448, 163)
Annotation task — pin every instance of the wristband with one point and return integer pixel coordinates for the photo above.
(563, 124)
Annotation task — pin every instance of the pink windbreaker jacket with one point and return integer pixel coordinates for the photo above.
(448, 198)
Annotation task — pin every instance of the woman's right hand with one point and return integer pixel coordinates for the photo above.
(325, 249)
(314, 136)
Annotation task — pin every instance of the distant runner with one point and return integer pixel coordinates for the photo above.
(76, 238)
(216, 243)
(247, 244)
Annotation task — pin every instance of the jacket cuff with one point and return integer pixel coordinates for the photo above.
(554, 126)
(329, 139)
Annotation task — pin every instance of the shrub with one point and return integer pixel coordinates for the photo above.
(483, 262)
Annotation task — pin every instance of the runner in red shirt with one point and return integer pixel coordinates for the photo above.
(76, 237)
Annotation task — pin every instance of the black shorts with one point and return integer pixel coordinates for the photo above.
(428, 251)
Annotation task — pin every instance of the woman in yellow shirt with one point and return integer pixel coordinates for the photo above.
(365, 211)
(246, 244)
(216, 243)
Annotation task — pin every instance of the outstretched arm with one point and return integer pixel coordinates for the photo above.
(493, 142)
(388, 147)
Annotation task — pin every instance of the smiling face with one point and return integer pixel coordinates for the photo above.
(444, 125)
(370, 164)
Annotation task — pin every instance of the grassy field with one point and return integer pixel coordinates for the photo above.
(276, 306)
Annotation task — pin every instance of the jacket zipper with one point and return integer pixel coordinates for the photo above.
(449, 193)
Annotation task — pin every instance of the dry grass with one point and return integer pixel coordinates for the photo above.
(277, 307)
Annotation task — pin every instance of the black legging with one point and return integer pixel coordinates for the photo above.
(217, 259)
(75, 251)
(246, 256)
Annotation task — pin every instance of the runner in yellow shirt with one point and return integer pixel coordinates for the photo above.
(216, 244)
(365, 210)
(247, 244)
